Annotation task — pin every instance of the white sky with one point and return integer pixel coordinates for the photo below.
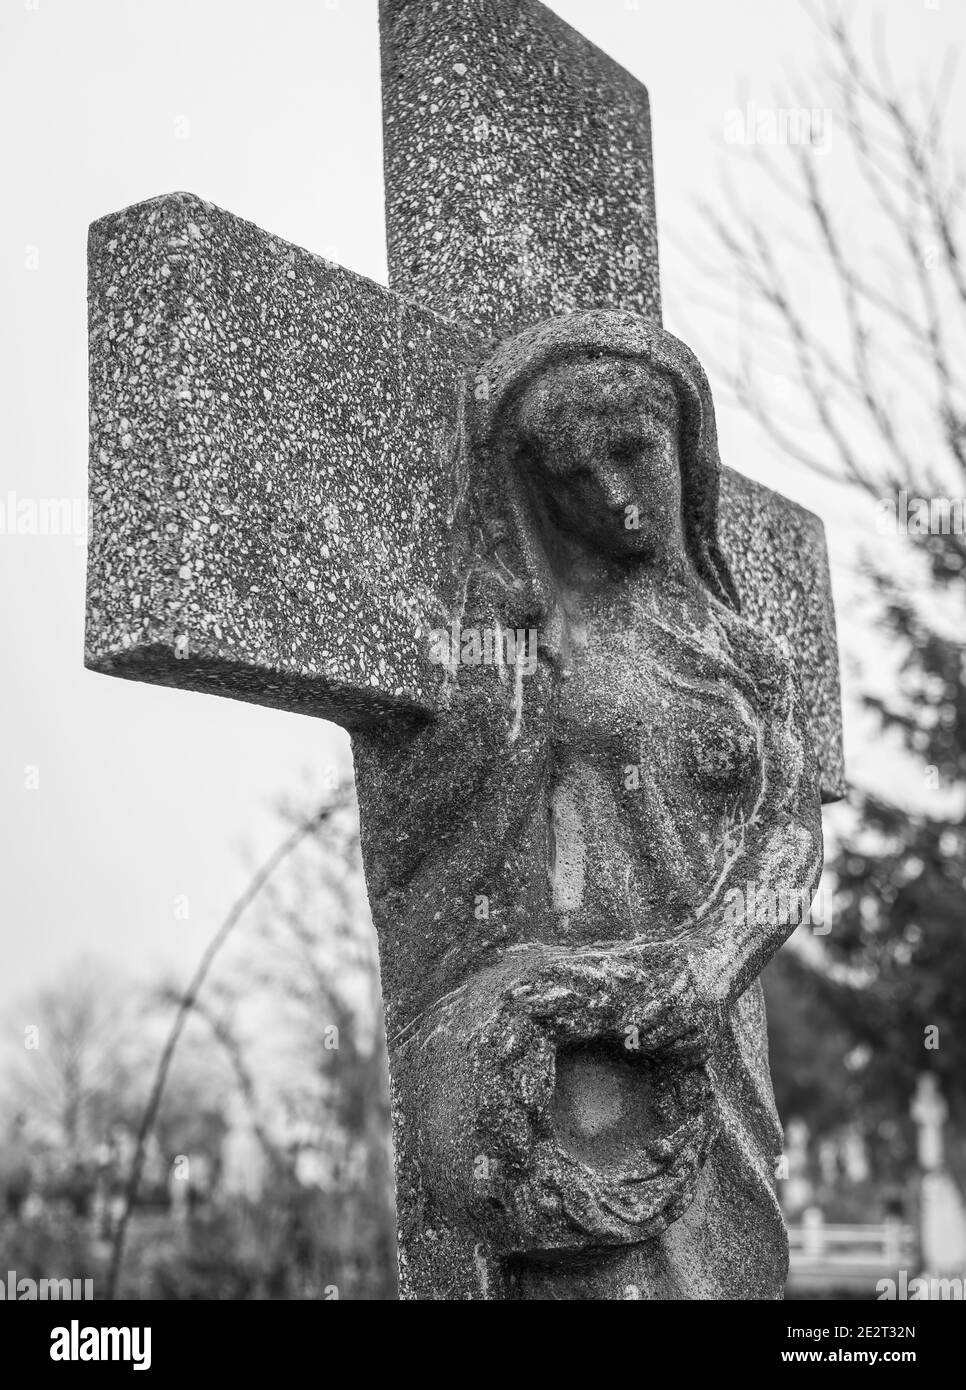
(146, 794)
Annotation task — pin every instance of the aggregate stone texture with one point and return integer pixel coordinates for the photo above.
(298, 478)
(778, 557)
(519, 187)
(277, 462)
(273, 442)
(578, 874)
(519, 182)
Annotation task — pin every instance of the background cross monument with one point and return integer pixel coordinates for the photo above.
(279, 457)
(942, 1213)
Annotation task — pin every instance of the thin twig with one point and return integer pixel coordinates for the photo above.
(186, 1004)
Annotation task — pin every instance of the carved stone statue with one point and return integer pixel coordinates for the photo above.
(474, 519)
(589, 1052)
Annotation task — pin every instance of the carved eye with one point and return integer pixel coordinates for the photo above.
(528, 453)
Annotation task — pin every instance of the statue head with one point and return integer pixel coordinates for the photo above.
(606, 421)
(597, 438)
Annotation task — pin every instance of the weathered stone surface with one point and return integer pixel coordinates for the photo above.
(567, 873)
(775, 550)
(579, 857)
(777, 554)
(519, 182)
(519, 187)
(274, 450)
(275, 474)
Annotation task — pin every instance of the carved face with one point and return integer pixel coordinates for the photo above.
(599, 439)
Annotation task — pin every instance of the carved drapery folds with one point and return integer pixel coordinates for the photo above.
(568, 871)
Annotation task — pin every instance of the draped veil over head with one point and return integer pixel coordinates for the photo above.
(601, 333)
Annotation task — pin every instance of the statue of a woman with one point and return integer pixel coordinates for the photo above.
(578, 875)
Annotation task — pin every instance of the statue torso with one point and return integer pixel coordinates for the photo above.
(656, 759)
(599, 799)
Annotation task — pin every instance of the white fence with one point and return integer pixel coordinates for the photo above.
(848, 1257)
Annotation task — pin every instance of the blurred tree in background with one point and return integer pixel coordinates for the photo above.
(251, 1107)
(76, 1074)
(875, 400)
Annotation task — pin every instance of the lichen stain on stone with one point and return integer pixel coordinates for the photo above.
(567, 849)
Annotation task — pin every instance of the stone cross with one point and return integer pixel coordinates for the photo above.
(297, 488)
(930, 1112)
(942, 1211)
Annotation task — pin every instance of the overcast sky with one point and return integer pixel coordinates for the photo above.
(143, 796)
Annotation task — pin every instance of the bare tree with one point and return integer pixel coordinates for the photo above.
(858, 300)
(880, 400)
(75, 1072)
(186, 1003)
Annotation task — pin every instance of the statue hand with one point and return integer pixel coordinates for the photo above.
(495, 1135)
(658, 1001)
(683, 1017)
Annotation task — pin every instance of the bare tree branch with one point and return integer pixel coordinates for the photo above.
(187, 1002)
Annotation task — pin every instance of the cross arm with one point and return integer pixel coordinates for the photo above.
(777, 555)
(275, 444)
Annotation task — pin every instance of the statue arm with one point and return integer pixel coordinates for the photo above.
(774, 861)
(446, 779)
(673, 996)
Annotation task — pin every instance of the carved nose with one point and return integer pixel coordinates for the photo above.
(613, 485)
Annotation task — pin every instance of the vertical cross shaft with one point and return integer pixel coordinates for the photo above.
(519, 182)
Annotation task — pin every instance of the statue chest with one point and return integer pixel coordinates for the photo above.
(659, 703)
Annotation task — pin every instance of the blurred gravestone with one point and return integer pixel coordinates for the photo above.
(942, 1216)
